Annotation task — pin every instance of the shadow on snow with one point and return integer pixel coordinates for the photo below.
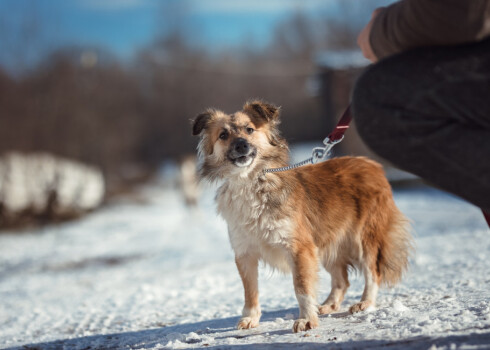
(158, 338)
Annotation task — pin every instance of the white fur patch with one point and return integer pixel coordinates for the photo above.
(308, 307)
(254, 313)
(252, 226)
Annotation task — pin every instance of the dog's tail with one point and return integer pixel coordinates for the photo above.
(394, 253)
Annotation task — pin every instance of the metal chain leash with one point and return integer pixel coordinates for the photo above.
(319, 153)
(289, 167)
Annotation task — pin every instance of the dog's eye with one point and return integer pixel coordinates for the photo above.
(250, 130)
(223, 135)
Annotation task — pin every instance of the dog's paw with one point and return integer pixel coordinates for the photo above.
(302, 324)
(247, 323)
(328, 309)
(363, 305)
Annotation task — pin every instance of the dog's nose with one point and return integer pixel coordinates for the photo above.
(241, 146)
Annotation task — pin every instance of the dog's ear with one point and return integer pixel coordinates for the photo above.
(201, 121)
(262, 110)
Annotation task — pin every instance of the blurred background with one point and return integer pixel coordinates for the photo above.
(95, 95)
(96, 103)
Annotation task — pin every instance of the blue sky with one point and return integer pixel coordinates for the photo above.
(124, 26)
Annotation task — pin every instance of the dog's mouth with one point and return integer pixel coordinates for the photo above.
(244, 161)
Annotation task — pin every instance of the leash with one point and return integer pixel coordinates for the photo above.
(319, 153)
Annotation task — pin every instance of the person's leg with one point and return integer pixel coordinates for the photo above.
(427, 111)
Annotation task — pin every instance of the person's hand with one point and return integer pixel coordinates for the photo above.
(363, 38)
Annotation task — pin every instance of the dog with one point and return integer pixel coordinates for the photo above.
(339, 212)
(188, 182)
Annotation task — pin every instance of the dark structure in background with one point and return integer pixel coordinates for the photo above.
(338, 71)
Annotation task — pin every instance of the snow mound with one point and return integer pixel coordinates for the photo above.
(41, 184)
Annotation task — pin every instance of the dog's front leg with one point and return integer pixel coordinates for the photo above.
(305, 273)
(248, 267)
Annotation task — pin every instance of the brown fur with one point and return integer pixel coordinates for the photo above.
(340, 212)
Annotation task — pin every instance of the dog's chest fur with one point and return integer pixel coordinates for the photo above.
(256, 223)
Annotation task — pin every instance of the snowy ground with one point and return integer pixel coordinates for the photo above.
(155, 275)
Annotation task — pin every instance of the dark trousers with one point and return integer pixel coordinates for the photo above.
(427, 111)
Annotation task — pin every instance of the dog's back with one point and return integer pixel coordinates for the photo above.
(348, 204)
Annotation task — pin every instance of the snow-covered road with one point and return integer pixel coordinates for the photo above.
(155, 275)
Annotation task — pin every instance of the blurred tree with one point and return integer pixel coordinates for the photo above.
(82, 104)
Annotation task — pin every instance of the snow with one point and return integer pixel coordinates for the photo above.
(28, 182)
(156, 275)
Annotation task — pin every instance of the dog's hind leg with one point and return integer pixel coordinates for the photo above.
(340, 283)
(372, 280)
(248, 267)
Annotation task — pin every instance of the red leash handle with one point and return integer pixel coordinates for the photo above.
(338, 133)
(486, 215)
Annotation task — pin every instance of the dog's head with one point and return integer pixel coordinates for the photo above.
(238, 143)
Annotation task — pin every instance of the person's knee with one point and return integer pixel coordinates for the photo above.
(368, 108)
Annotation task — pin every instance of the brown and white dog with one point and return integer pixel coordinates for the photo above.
(339, 212)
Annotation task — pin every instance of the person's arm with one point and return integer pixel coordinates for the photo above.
(413, 23)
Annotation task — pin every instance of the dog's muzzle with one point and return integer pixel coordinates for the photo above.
(241, 153)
